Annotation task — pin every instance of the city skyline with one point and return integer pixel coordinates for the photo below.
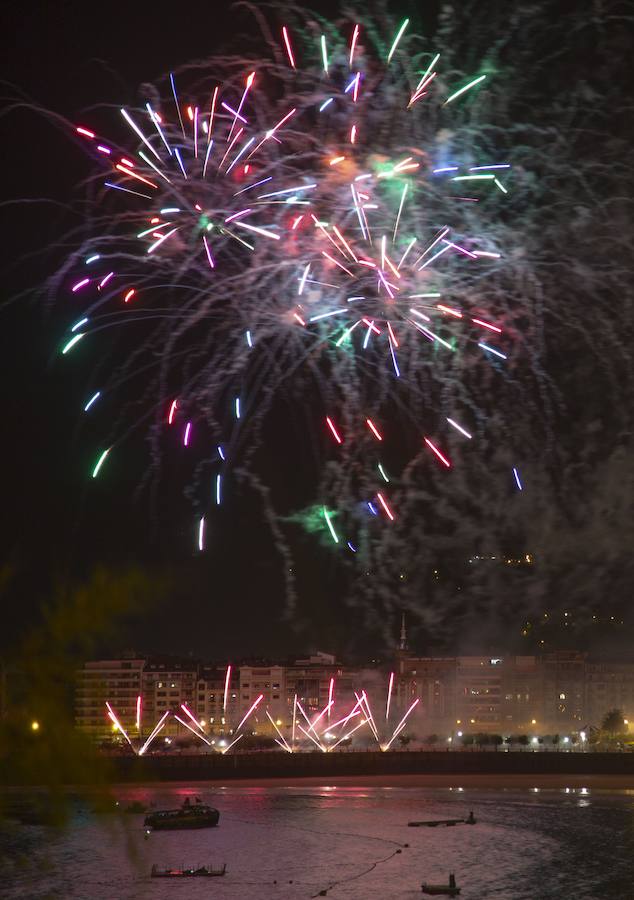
(559, 692)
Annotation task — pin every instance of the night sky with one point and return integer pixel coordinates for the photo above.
(58, 524)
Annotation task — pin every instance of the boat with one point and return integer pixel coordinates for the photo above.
(433, 823)
(448, 890)
(196, 815)
(199, 872)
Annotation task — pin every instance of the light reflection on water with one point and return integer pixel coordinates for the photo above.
(293, 842)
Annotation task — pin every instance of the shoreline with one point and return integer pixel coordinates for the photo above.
(472, 782)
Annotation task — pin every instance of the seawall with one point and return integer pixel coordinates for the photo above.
(340, 765)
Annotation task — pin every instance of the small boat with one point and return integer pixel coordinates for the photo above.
(199, 872)
(196, 815)
(448, 890)
(433, 823)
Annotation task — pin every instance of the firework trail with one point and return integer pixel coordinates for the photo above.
(326, 738)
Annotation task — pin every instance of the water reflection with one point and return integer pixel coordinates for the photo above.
(291, 842)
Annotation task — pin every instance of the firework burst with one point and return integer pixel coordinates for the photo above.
(318, 225)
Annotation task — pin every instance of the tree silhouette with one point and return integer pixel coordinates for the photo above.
(613, 721)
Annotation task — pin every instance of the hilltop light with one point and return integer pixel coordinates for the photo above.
(35, 726)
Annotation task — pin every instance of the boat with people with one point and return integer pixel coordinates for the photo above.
(190, 815)
(447, 890)
(193, 872)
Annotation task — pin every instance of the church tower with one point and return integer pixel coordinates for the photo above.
(402, 644)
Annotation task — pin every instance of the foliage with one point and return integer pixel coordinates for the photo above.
(521, 739)
(40, 677)
(613, 722)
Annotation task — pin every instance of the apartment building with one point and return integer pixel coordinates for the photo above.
(608, 686)
(478, 692)
(118, 681)
(433, 681)
(563, 686)
(553, 693)
(218, 702)
(309, 680)
(268, 682)
(521, 694)
(168, 683)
